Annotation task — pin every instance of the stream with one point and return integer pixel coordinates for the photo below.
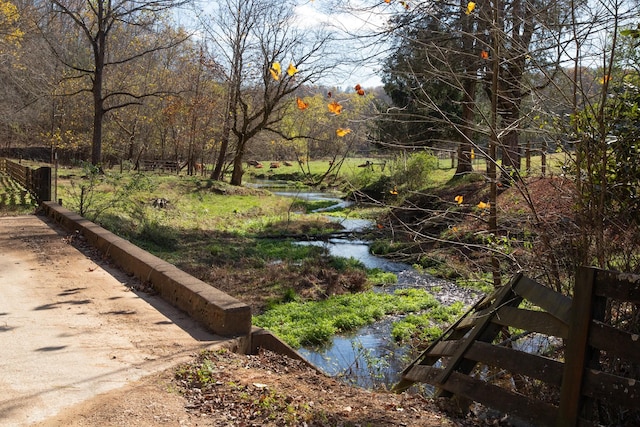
(368, 357)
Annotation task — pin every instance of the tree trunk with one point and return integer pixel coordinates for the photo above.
(216, 174)
(468, 96)
(236, 174)
(99, 46)
(464, 149)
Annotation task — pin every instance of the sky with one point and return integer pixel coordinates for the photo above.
(360, 19)
(366, 20)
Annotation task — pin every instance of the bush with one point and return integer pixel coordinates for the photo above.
(415, 173)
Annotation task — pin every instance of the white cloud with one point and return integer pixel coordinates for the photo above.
(355, 21)
(348, 25)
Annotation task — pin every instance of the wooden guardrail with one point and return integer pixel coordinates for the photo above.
(588, 374)
(35, 181)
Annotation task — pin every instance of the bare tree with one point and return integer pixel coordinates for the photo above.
(265, 59)
(97, 24)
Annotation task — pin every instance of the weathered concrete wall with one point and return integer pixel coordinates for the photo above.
(216, 310)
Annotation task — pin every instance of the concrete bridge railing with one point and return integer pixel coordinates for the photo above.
(216, 310)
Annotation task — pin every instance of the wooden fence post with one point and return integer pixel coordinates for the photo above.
(576, 349)
(43, 184)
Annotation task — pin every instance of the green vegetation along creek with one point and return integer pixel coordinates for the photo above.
(278, 252)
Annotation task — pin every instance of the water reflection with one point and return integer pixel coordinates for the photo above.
(369, 358)
(359, 250)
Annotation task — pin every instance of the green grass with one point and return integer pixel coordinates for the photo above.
(315, 322)
(14, 199)
(428, 326)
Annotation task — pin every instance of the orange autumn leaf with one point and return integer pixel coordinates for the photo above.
(335, 108)
(359, 90)
(483, 205)
(301, 104)
(459, 199)
(342, 132)
(387, 1)
(484, 54)
(380, 226)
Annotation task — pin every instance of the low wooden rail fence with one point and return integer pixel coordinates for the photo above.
(35, 181)
(162, 165)
(588, 375)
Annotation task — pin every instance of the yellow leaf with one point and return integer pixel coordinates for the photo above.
(473, 154)
(483, 205)
(459, 199)
(605, 79)
(470, 7)
(291, 70)
(335, 108)
(394, 191)
(342, 132)
(275, 70)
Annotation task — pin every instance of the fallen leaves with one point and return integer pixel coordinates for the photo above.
(270, 389)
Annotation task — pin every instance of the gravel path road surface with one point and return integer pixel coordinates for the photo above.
(72, 327)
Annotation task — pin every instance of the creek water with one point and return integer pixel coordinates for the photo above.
(368, 357)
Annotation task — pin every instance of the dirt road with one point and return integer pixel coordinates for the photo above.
(71, 327)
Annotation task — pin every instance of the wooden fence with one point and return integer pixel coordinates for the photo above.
(588, 373)
(162, 165)
(35, 181)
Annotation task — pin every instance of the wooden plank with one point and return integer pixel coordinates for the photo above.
(533, 411)
(614, 341)
(612, 388)
(619, 286)
(425, 358)
(470, 321)
(575, 353)
(445, 348)
(422, 374)
(482, 309)
(516, 361)
(556, 304)
(484, 330)
(529, 320)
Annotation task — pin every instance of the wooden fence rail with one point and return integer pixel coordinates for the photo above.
(590, 375)
(35, 181)
(163, 165)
